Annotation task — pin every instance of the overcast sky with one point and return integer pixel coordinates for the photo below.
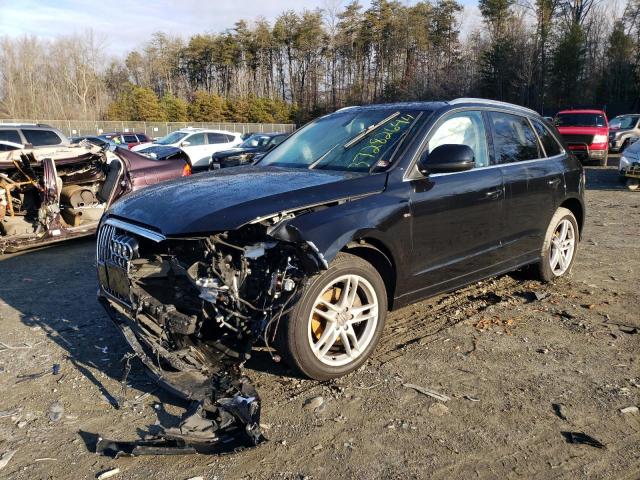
(127, 24)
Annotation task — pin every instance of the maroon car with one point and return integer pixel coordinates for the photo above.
(52, 194)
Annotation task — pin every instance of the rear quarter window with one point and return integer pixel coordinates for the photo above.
(217, 138)
(513, 138)
(39, 138)
(10, 136)
(550, 144)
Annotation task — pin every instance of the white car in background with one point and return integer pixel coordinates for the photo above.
(629, 156)
(198, 143)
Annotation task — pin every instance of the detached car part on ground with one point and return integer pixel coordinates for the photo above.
(52, 194)
(363, 210)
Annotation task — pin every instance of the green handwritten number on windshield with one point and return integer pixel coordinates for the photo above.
(366, 156)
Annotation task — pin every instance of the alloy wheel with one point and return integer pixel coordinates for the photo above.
(343, 320)
(563, 246)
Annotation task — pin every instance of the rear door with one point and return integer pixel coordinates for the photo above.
(198, 149)
(457, 218)
(533, 183)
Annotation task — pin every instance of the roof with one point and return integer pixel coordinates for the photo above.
(436, 105)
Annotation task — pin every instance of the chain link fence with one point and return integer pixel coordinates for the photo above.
(74, 128)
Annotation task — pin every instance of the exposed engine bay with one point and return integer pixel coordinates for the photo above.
(192, 309)
(53, 193)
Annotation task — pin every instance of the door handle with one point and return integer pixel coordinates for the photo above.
(494, 194)
(554, 183)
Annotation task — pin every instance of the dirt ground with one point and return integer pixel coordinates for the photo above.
(505, 351)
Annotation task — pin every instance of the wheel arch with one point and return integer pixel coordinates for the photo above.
(576, 207)
(379, 256)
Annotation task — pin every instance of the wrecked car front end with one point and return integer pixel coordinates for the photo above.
(192, 309)
(52, 194)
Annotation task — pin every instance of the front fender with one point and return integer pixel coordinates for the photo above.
(378, 216)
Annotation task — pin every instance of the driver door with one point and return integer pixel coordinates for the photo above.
(457, 218)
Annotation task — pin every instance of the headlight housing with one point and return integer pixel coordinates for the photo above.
(600, 139)
(625, 161)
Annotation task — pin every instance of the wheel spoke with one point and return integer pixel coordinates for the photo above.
(345, 343)
(326, 341)
(329, 305)
(563, 230)
(563, 261)
(361, 318)
(555, 258)
(330, 316)
(353, 292)
(351, 333)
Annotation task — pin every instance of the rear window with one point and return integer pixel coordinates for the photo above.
(513, 138)
(39, 138)
(550, 144)
(10, 136)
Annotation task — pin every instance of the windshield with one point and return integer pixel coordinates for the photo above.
(255, 141)
(359, 141)
(580, 120)
(624, 122)
(174, 137)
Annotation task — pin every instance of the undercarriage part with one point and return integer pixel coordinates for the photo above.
(192, 310)
(227, 422)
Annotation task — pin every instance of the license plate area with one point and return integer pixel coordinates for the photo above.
(116, 280)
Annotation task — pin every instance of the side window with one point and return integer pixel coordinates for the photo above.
(513, 138)
(216, 138)
(39, 138)
(130, 139)
(196, 139)
(465, 128)
(10, 136)
(230, 138)
(7, 148)
(550, 144)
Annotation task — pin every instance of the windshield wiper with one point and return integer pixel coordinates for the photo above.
(368, 130)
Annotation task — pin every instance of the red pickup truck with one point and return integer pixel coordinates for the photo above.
(586, 133)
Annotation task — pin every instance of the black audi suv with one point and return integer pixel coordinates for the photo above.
(361, 211)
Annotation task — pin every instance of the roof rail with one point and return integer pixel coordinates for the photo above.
(495, 103)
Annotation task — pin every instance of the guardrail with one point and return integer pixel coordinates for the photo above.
(153, 129)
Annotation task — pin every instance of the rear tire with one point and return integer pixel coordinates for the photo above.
(312, 339)
(560, 246)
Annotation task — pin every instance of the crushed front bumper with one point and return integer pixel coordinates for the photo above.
(225, 412)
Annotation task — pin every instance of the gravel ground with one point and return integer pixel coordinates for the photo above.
(521, 362)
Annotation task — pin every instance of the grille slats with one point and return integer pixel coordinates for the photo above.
(579, 139)
(107, 258)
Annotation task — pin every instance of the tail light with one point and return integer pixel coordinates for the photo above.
(186, 170)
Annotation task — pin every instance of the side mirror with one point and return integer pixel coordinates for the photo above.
(185, 144)
(446, 159)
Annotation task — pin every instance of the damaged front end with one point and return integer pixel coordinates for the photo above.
(192, 309)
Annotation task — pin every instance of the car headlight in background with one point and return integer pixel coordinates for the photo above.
(600, 139)
(625, 161)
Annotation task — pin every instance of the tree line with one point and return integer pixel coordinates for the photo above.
(544, 54)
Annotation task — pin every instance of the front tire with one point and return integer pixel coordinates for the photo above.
(338, 321)
(560, 246)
